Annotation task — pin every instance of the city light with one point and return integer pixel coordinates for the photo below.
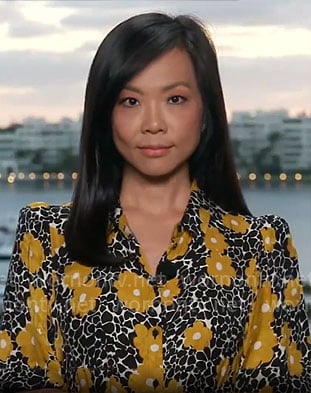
(74, 176)
(11, 179)
(60, 176)
(298, 176)
(252, 176)
(267, 176)
(21, 176)
(283, 176)
(46, 176)
(32, 176)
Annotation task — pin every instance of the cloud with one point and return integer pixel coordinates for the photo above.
(266, 83)
(20, 27)
(92, 14)
(8, 12)
(25, 29)
(44, 69)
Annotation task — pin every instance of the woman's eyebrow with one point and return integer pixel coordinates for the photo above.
(164, 88)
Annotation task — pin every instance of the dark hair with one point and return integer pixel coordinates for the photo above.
(126, 51)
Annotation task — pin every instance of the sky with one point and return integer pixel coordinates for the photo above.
(46, 48)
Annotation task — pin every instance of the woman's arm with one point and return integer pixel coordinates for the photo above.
(276, 352)
(29, 352)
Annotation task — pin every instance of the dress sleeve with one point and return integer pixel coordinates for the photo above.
(276, 352)
(30, 341)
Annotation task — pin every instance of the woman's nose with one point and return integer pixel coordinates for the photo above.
(153, 119)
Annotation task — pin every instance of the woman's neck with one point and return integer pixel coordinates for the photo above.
(155, 196)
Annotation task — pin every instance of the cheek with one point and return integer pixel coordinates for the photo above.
(190, 128)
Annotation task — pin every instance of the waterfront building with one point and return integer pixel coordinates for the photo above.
(7, 150)
(254, 136)
(271, 141)
(44, 146)
(295, 144)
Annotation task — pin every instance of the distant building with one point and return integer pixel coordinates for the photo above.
(43, 146)
(295, 144)
(271, 141)
(7, 150)
(251, 134)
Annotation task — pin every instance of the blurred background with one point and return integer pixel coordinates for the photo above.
(264, 51)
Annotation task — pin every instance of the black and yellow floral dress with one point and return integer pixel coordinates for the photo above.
(231, 318)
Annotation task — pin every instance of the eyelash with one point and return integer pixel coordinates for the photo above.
(126, 101)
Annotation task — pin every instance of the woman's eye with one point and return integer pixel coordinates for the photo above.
(176, 100)
(130, 101)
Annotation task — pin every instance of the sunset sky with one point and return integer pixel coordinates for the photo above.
(46, 48)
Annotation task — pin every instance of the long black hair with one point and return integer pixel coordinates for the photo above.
(125, 51)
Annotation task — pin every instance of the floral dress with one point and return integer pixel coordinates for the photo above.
(231, 318)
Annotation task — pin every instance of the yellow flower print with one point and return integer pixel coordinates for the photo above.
(291, 248)
(236, 365)
(266, 303)
(262, 314)
(124, 226)
(38, 308)
(198, 336)
(134, 291)
(286, 333)
(215, 240)
(260, 348)
(179, 245)
(34, 346)
(57, 240)
(205, 217)
(252, 275)
(237, 224)
(194, 186)
(172, 387)
(111, 235)
(146, 379)
(219, 267)
(84, 380)
(6, 346)
(84, 298)
(169, 291)
(222, 371)
(269, 239)
(294, 360)
(260, 340)
(113, 386)
(58, 343)
(293, 293)
(35, 205)
(76, 275)
(266, 389)
(149, 344)
(54, 373)
(32, 254)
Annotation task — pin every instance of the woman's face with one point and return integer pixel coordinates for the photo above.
(157, 119)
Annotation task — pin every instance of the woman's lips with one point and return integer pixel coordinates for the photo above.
(155, 151)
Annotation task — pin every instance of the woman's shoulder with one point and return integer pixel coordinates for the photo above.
(44, 207)
(40, 214)
(266, 225)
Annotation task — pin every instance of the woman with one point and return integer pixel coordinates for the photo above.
(157, 278)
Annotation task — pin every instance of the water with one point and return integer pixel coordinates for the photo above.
(291, 201)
